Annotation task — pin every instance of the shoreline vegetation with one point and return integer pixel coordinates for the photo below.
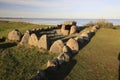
(97, 60)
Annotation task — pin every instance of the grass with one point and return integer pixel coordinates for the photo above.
(7, 26)
(20, 63)
(99, 59)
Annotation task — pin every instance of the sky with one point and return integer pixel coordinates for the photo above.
(107, 9)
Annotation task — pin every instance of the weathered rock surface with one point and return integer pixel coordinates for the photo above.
(73, 45)
(44, 42)
(25, 39)
(65, 32)
(73, 29)
(79, 39)
(63, 57)
(33, 40)
(65, 49)
(14, 35)
(57, 47)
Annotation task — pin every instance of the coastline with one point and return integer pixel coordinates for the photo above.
(55, 21)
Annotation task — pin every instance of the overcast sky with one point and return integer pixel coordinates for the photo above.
(60, 8)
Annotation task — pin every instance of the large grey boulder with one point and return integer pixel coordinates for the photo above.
(14, 35)
(25, 39)
(57, 47)
(73, 45)
(43, 42)
(33, 40)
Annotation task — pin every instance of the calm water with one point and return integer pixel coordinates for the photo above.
(80, 22)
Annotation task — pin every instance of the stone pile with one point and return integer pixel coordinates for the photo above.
(68, 27)
(67, 50)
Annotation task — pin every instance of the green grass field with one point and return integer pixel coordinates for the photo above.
(98, 60)
(7, 26)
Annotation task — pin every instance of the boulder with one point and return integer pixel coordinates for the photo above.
(73, 45)
(93, 29)
(14, 35)
(65, 49)
(43, 42)
(25, 39)
(69, 23)
(65, 32)
(85, 36)
(57, 47)
(64, 57)
(33, 40)
(73, 29)
(79, 39)
(53, 65)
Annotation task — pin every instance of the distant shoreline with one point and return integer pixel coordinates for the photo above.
(56, 21)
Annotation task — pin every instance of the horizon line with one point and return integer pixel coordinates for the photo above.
(53, 18)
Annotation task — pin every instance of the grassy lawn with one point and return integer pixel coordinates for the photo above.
(7, 26)
(20, 63)
(98, 60)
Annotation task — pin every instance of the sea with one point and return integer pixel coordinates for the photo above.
(57, 21)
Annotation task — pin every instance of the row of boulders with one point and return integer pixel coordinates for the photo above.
(66, 51)
(68, 27)
(16, 36)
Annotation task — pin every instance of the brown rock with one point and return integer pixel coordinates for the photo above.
(44, 42)
(73, 45)
(65, 32)
(14, 35)
(85, 36)
(64, 57)
(65, 49)
(25, 39)
(53, 64)
(57, 47)
(73, 29)
(33, 41)
(79, 39)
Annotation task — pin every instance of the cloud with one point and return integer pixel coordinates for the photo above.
(40, 3)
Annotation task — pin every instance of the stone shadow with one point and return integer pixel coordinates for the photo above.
(7, 45)
(62, 72)
(119, 66)
(59, 73)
